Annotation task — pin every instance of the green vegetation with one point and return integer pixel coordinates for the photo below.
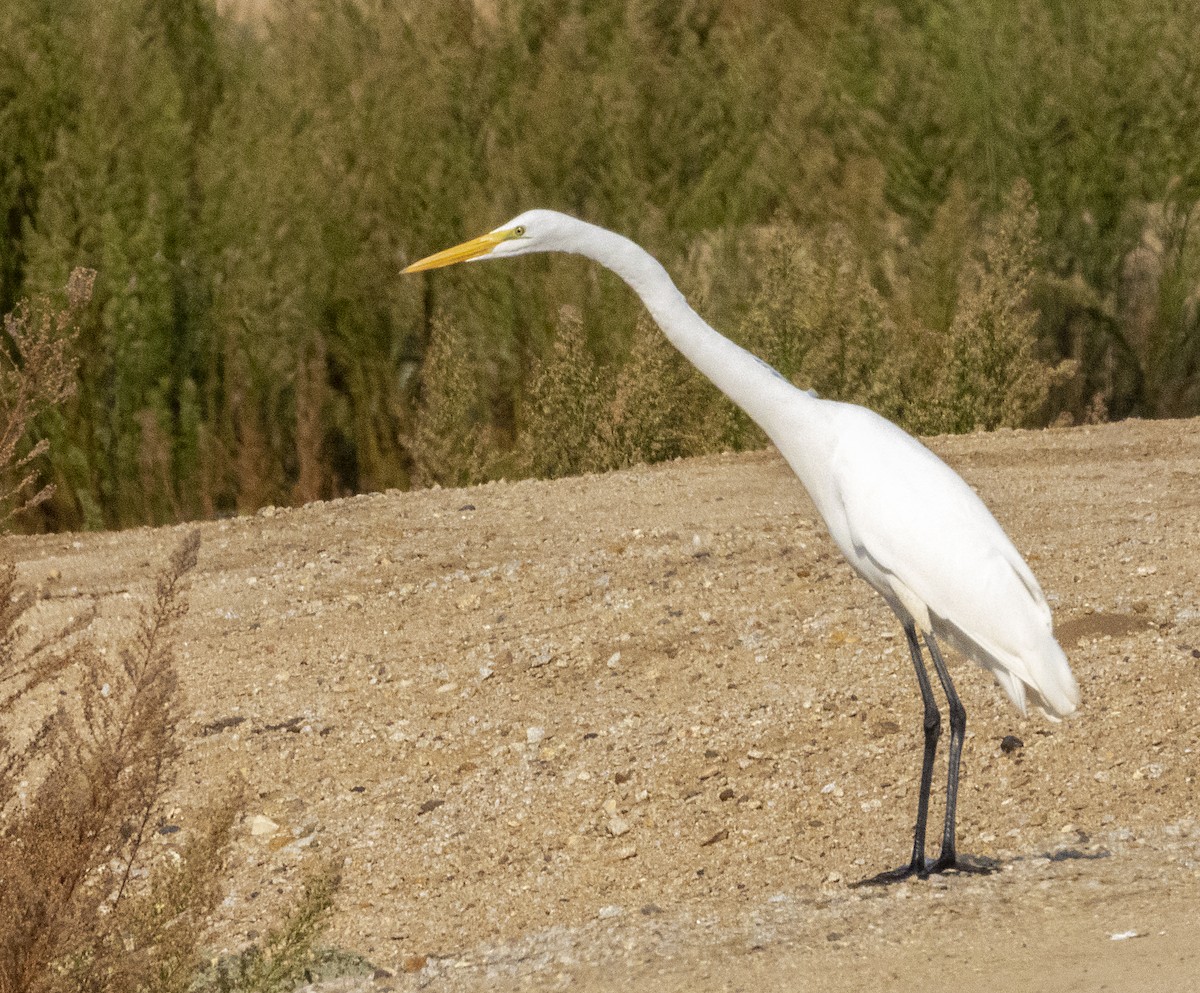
(963, 215)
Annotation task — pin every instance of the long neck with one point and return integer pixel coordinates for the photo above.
(743, 377)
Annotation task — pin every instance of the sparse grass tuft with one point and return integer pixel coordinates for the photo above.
(286, 956)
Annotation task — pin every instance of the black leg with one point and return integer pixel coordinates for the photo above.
(933, 731)
(958, 728)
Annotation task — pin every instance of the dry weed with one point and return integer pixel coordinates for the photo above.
(447, 446)
(37, 371)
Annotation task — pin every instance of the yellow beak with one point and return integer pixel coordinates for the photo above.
(472, 249)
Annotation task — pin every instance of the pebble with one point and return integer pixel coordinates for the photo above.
(610, 911)
(261, 825)
(534, 734)
(617, 826)
(1010, 743)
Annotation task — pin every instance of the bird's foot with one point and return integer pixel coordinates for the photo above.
(967, 865)
(889, 876)
(951, 864)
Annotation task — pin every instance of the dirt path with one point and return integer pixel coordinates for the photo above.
(642, 730)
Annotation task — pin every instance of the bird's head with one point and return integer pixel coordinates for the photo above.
(532, 231)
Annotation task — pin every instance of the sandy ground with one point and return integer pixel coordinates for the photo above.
(642, 731)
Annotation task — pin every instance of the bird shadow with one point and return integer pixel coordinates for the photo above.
(970, 865)
(1066, 855)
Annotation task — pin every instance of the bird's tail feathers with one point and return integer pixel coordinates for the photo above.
(1055, 691)
(1039, 675)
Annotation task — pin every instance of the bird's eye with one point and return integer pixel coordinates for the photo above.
(519, 230)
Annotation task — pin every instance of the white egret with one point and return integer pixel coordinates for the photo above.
(907, 523)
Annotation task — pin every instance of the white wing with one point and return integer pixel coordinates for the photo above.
(916, 529)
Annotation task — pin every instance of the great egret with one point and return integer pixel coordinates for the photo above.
(908, 524)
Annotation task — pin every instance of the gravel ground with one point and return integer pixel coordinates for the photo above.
(645, 730)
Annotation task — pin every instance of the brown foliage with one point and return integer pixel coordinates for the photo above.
(82, 907)
(37, 371)
(448, 444)
(568, 396)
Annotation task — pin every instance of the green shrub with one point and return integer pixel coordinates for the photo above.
(248, 195)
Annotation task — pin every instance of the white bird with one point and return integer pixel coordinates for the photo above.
(908, 524)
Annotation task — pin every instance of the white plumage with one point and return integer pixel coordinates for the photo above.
(907, 523)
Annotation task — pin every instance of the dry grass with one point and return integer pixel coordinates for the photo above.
(76, 912)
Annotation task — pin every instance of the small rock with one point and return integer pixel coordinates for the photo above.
(414, 963)
(612, 910)
(260, 825)
(719, 836)
(618, 826)
(1010, 743)
(429, 805)
(628, 852)
(534, 734)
